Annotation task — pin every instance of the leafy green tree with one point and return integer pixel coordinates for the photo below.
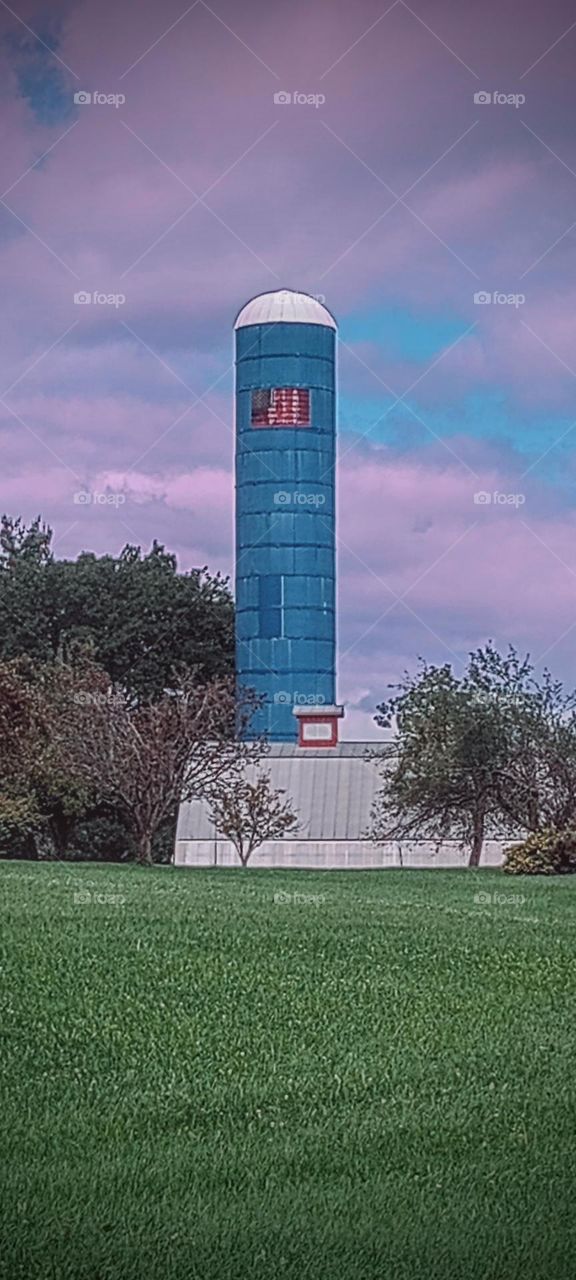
(537, 783)
(26, 609)
(136, 615)
(139, 614)
(41, 800)
(19, 810)
(492, 752)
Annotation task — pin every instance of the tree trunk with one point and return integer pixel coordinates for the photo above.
(477, 841)
(61, 825)
(144, 849)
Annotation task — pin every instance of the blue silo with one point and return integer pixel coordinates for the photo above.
(285, 509)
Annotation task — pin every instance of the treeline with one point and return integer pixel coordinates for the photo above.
(82, 638)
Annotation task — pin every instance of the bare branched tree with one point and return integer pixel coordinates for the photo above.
(147, 757)
(248, 813)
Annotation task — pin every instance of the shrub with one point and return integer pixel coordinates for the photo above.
(19, 817)
(544, 853)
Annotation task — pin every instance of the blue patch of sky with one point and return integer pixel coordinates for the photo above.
(403, 334)
(483, 416)
(42, 81)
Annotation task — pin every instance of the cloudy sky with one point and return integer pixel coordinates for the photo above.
(434, 160)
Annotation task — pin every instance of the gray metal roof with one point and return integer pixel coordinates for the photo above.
(287, 305)
(331, 788)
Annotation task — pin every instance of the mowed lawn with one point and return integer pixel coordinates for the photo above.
(252, 1075)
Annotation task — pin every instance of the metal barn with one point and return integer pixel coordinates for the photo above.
(332, 790)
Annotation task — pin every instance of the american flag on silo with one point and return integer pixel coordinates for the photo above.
(281, 407)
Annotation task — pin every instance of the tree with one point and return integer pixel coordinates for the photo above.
(248, 813)
(147, 757)
(18, 751)
(44, 795)
(536, 779)
(25, 607)
(491, 752)
(139, 617)
(140, 614)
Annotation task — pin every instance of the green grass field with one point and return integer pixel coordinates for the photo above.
(231, 1075)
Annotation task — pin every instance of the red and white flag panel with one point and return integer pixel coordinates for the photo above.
(281, 407)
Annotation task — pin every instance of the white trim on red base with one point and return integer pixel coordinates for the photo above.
(318, 725)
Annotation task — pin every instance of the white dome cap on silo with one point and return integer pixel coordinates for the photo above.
(284, 305)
